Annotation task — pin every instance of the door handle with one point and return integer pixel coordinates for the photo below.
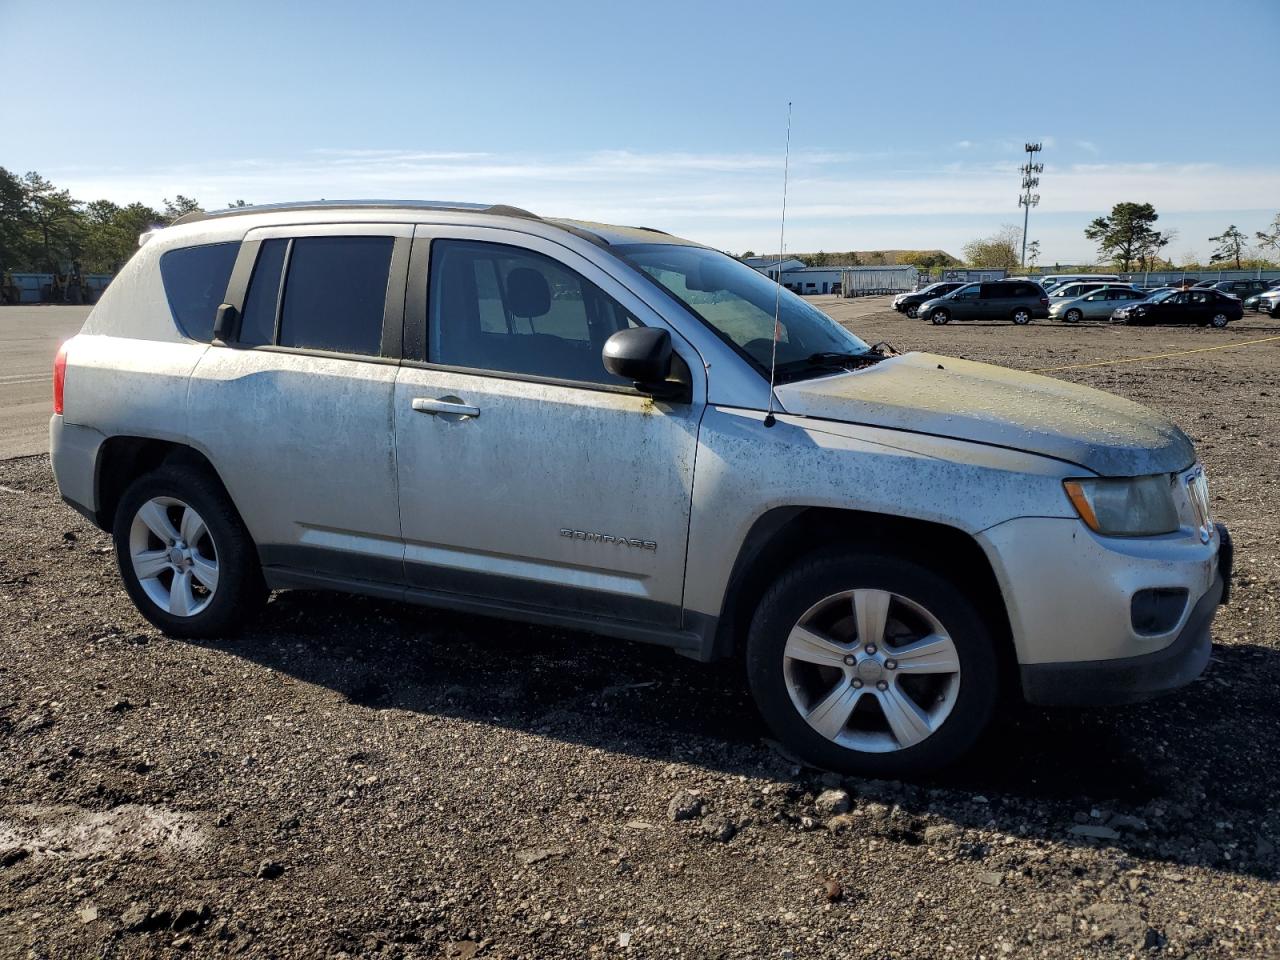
(446, 405)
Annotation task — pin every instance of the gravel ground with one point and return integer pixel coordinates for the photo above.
(359, 778)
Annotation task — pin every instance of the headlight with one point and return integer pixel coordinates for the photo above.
(1125, 507)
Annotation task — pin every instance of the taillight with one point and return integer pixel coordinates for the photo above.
(59, 377)
(1044, 300)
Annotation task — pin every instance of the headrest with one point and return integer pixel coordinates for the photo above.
(527, 293)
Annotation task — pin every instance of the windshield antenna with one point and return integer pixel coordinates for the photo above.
(769, 419)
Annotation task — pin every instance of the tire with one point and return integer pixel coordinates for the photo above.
(221, 583)
(1021, 316)
(957, 708)
(1073, 316)
(939, 317)
(1219, 321)
(913, 311)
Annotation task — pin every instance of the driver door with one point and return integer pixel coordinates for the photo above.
(529, 475)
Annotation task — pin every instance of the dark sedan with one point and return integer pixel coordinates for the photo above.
(1199, 306)
(909, 303)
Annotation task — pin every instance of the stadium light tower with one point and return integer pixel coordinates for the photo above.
(1027, 199)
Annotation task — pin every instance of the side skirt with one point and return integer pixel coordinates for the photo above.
(697, 644)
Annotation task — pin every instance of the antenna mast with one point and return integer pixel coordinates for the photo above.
(769, 419)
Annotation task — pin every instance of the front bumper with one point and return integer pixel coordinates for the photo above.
(1072, 600)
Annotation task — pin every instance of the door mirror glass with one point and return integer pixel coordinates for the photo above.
(639, 354)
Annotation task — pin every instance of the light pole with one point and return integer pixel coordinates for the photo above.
(1030, 180)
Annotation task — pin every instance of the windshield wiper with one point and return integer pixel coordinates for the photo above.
(828, 360)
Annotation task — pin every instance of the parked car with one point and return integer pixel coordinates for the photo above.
(1269, 302)
(1095, 305)
(572, 424)
(1077, 289)
(1057, 279)
(1199, 306)
(1242, 289)
(909, 303)
(1014, 300)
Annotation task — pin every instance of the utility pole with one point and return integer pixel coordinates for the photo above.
(1030, 180)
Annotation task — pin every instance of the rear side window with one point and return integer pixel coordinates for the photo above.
(319, 293)
(335, 292)
(195, 283)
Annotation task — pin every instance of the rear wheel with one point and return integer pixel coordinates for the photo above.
(870, 664)
(1219, 321)
(184, 555)
(1073, 316)
(1021, 317)
(939, 317)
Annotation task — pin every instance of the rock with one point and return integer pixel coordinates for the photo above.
(685, 805)
(87, 914)
(831, 802)
(624, 939)
(1122, 924)
(840, 823)
(833, 891)
(270, 870)
(992, 878)
(14, 855)
(537, 855)
(33, 723)
(191, 916)
(876, 811)
(720, 828)
(941, 833)
(140, 918)
(1095, 831)
(120, 706)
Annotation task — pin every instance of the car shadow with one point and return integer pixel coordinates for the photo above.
(1188, 779)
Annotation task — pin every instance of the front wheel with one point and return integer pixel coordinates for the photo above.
(913, 311)
(1073, 316)
(871, 665)
(1021, 317)
(186, 560)
(939, 317)
(1219, 321)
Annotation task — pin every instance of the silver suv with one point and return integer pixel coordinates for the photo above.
(569, 423)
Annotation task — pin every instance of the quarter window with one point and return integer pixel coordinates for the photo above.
(195, 283)
(258, 323)
(503, 308)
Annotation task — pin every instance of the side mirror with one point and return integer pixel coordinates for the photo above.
(641, 355)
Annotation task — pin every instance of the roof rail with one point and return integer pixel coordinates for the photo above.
(501, 210)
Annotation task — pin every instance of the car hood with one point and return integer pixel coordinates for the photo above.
(964, 400)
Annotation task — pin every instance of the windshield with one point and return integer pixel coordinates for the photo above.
(1161, 295)
(738, 303)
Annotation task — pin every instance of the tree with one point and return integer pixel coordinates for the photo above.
(236, 204)
(1033, 254)
(179, 206)
(111, 232)
(1271, 238)
(749, 253)
(54, 219)
(13, 220)
(996, 252)
(1231, 243)
(1127, 235)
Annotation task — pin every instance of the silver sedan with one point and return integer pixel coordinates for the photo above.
(1096, 305)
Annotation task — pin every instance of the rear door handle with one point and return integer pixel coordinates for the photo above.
(447, 405)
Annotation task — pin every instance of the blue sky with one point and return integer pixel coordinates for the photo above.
(907, 128)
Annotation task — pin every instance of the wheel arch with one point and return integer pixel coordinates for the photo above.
(122, 459)
(784, 535)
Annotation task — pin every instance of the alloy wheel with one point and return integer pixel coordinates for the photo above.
(1021, 317)
(1073, 316)
(173, 556)
(1219, 320)
(871, 670)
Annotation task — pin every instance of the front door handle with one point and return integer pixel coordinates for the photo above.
(445, 405)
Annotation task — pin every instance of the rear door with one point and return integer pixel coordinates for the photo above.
(294, 410)
(529, 475)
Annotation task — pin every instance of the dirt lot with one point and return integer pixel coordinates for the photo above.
(359, 778)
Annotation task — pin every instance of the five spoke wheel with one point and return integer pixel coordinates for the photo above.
(871, 670)
(173, 556)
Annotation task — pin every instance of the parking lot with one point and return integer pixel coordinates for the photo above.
(358, 777)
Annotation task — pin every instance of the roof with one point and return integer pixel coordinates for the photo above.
(598, 233)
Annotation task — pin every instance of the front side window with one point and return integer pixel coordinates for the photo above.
(967, 293)
(738, 304)
(195, 284)
(507, 309)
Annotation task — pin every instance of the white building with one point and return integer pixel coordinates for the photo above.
(850, 281)
(769, 265)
